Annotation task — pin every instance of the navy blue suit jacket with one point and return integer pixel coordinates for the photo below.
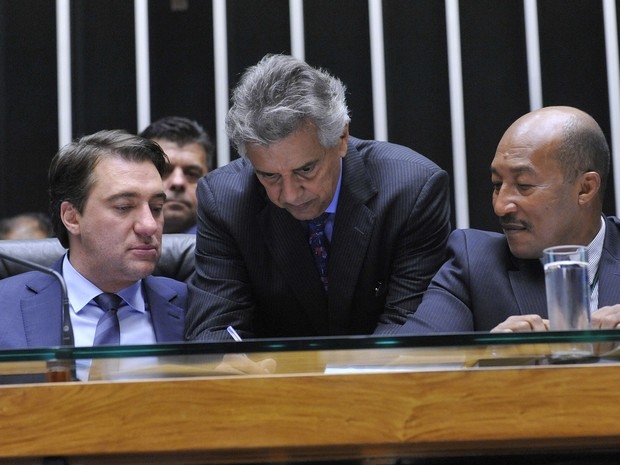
(31, 309)
(255, 271)
(482, 283)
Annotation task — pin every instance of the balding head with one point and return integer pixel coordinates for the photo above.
(548, 176)
(569, 136)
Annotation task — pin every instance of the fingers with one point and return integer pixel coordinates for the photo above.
(241, 364)
(603, 318)
(519, 323)
(606, 317)
(269, 365)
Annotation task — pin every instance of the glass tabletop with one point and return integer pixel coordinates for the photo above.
(326, 355)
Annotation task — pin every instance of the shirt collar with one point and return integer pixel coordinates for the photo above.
(81, 291)
(595, 250)
(332, 206)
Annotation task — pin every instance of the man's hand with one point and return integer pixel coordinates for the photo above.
(517, 323)
(240, 364)
(606, 317)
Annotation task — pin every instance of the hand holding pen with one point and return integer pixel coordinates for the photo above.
(242, 364)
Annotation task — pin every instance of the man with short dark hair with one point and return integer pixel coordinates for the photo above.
(106, 203)
(192, 155)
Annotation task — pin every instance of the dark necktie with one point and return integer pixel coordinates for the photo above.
(319, 245)
(108, 328)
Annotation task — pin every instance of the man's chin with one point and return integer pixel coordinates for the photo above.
(141, 270)
(303, 214)
(178, 211)
(177, 223)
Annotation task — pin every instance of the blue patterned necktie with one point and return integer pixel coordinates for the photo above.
(319, 245)
(108, 328)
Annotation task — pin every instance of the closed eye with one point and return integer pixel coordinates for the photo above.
(270, 177)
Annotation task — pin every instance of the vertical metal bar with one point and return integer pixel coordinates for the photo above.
(457, 113)
(613, 85)
(298, 45)
(143, 75)
(220, 54)
(530, 10)
(63, 69)
(377, 59)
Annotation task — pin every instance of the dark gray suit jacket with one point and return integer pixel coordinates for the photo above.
(254, 269)
(482, 284)
(31, 310)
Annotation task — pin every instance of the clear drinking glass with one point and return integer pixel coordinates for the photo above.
(568, 294)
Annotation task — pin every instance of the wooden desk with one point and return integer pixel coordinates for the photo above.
(311, 415)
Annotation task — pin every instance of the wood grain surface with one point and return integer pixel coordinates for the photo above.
(286, 417)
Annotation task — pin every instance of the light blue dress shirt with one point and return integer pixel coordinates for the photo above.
(331, 209)
(134, 317)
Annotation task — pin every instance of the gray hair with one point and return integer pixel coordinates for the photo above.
(280, 95)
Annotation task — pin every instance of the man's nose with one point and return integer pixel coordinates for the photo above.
(290, 189)
(176, 180)
(146, 223)
(503, 202)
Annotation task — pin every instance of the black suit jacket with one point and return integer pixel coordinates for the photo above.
(482, 284)
(254, 269)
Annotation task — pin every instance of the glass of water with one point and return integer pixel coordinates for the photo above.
(567, 287)
(568, 295)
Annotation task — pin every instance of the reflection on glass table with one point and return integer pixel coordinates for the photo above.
(335, 355)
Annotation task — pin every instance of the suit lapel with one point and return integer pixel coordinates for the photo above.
(528, 285)
(530, 290)
(42, 312)
(353, 228)
(287, 242)
(168, 318)
(609, 267)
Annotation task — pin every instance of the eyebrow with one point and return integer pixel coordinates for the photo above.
(305, 165)
(516, 170)
(133, 195)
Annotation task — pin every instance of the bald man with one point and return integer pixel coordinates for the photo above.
(548, 175)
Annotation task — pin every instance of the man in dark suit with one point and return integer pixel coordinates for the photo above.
(262, 267)
(106, 202)
(549, 175)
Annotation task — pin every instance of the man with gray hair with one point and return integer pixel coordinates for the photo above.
(312, 232)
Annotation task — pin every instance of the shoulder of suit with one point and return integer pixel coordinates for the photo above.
(155, 282)
(477, 241)
(614, 220)
(35, 281)
(380, 152)
(237, 176)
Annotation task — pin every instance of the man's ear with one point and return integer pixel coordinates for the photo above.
(70, 218)
(343, 143)
(589, 187)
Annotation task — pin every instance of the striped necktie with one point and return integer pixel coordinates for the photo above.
(319, 245)
(108, 328)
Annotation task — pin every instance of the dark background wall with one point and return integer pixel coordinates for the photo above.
(337, 38)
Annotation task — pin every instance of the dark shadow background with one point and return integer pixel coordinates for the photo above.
(337, 38)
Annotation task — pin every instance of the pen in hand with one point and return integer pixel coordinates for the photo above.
(264, 367)
(234, 334)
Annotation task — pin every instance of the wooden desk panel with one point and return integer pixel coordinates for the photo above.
(292, 417)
